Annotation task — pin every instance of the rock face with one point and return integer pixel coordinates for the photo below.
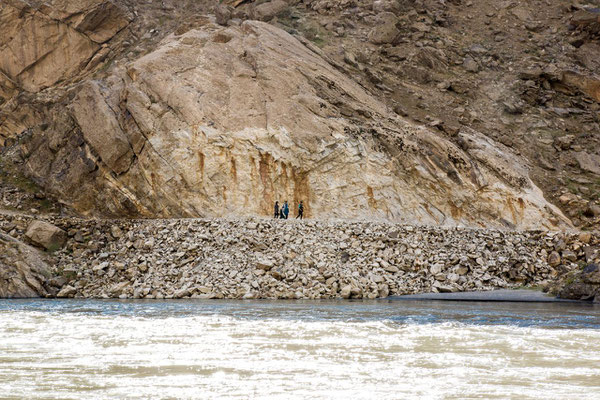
(46, 235)
(224, 121)
(41, 46)
(23, 273)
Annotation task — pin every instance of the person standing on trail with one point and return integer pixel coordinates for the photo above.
(300, 210)
(286, 210)
(276, 210)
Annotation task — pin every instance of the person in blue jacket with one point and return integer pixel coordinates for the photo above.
(286, 209)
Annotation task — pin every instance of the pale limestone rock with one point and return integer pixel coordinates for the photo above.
(46, 235)
(101, 129)
(265, 265)
(346, 292)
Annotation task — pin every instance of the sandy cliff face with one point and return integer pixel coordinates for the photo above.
(220, 121)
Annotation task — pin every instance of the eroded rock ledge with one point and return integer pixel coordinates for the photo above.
(260, 258)
(24, 271)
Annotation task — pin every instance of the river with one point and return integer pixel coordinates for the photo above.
(386, 349)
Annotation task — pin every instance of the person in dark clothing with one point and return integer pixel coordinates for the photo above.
(276, 211)
(300, 211)
(286, 209)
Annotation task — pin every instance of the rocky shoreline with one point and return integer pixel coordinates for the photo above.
(277, 259)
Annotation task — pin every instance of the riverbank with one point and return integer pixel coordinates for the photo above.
(276, 259)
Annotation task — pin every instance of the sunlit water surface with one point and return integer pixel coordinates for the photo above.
(72, 349)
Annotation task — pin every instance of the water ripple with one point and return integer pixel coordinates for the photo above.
(297, 350)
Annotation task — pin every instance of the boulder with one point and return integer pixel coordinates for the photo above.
(265, 265)
(580, 284)
(267, 11)
(436, 269)
(222, 14)
(385, 30)
(46, 235)
(584, 18)
(589, 55)
(278, 273)
(554, 259)
(569, 255)
(383, 290)
(592, 210)
(591, 274)
(585, 237)
(67, 291)
(588, 162)
(470, 64)
(346, 292)
(589, 85)
(390, 268)
(116, 232)
(564, 142)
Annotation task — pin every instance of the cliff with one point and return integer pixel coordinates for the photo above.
(119, 109)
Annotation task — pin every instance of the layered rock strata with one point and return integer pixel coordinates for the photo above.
(255, 258)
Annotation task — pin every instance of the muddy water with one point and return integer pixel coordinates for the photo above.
(75, 349)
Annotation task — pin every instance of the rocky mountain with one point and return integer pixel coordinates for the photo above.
(436, 112)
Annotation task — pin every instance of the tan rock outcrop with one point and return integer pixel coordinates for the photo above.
(23, 273)
(224, 121)
(43, 44)
(101, 129)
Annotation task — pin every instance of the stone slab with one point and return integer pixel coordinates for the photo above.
(501, 295)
